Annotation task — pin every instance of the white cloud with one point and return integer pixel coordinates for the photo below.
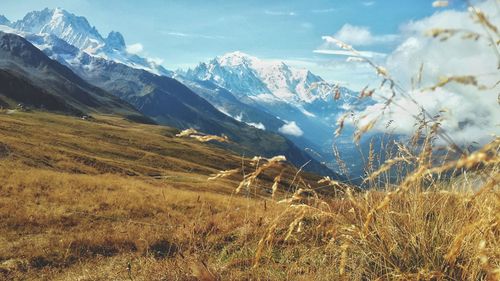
(336, 70)
(470, 114)
(135, 48)
(280, 13)
(342, 66)
(191, 35)
(355, 59)
(179, 34)
(368, 3)
(291, 128)
(362, 36)
(305, 112)
(323, 11)
(257, 125)
(239, 118)
(307, 25)
(366, 54)
(157, 61)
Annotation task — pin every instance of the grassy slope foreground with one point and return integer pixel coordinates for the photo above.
(77, 195)
(112, 200)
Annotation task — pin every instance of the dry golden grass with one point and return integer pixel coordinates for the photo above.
(107, 199)
(134, 202)
(81, 200)
(438, 234)
(423, 216)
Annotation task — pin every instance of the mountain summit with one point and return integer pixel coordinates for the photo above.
(307, 105)
(73, 29)
(4, 20)
(262, 80)
(29, 77)
(106, 63)
(115, 41)
(42, 26)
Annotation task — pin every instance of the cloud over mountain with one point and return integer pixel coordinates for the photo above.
(362, 36)
(471, 115)
(135, 48)
(292, 129)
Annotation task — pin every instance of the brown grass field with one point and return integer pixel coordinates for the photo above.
(112, 200)
(77, 195)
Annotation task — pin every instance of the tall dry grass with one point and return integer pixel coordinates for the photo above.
(74, 210)
(425, 228)
(425, 215)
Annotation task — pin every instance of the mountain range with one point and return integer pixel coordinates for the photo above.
(29, 77)
(77, 31)
(307, 106)
(108, 66)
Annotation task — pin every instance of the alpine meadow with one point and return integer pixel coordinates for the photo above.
(250, 140)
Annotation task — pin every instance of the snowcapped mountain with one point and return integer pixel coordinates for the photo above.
(262, 80)
(267, 94)
(4, 20)
(272, 85)
(115, 41)
(307, 105)
(77, 32)
(29, 77)
(71, 28)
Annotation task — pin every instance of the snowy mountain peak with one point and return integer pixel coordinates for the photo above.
(115, 41)
(41, 26)
(73, 29)
(263, 80)
(236, 58)
(4, 20)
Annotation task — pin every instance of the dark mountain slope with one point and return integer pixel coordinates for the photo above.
(169, 102)
(28, 76)
(165, 100)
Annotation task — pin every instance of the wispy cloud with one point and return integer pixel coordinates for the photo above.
(135, 48)
(457, 104)
(192, 35)
(362, 36)
(157, 61)
(368, 3)
(336, 69)
(306, 25)
(280, 13)
(366, 54)
(323, 11)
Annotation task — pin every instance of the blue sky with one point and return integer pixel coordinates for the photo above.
(185, 32)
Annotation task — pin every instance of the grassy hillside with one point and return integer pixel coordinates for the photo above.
(107, 199)
(29, 77)
(78, 194)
